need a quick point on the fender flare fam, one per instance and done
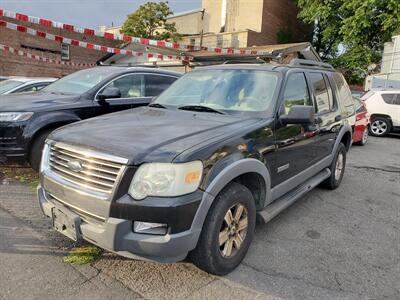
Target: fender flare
(48, 119)
(230, 172)
(346, 128)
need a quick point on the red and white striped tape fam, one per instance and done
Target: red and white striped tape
(73, 42)
(125, 38)
(41, 58)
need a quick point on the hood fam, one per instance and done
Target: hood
(149, 134)
(35, 101)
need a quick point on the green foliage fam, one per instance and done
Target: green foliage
(360, 27)
(83, 255)
(150, 21)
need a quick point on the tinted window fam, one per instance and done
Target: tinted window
(130, 86)
(396, 100)
(359, 106)
(320, 92)
(296, 92)
(389, 98)
(344, 94)
(156, 84)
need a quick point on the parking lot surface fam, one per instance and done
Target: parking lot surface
(342, 244)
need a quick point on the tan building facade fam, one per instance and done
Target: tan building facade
(240, 23)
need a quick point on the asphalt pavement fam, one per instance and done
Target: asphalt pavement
(342, 244)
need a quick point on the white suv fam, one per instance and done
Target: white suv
(384, 109)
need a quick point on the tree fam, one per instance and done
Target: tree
(351, 33)
(150, 21)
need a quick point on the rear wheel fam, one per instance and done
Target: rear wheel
(337, 169)
(380, 126)
(35, 153)
(364, 139)
(227, 231)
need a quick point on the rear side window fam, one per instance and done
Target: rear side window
(344, 94)
(389, 98)
(396, 100)
(296, 92)
(156, 84)
(321, 94)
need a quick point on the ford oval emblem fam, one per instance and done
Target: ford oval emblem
(75, 166)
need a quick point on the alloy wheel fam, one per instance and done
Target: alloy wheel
(339, 166)
(365, 136)
(379, 127)
(233, 230)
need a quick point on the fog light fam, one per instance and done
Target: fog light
(150, 228)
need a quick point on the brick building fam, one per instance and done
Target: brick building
(11, 64)
(240, 23)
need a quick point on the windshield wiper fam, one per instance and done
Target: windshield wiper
(200, 108)
(157, 105)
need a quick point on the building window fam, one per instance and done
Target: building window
(192, 41)
(220, 41)
(64, 51)
(235, 41)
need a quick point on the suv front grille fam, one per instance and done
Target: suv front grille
(83, 169)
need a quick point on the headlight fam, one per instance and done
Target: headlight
(44, 163)
(166, 180)
(15, 116)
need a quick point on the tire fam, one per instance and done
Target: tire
(337, 169)
(35, 152)
(364, 139)
(209, 255)
(380, 126)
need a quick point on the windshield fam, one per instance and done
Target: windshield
(226, 90)
(8, 85)
(77, 83)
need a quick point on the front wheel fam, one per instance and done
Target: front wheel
(227, 232)
(337, 169)
(364, 139)
(35, 153)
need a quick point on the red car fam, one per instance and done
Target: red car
(360, 134)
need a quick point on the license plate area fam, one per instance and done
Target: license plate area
(66, 223)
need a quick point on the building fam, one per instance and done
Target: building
(389, 76)
(13, 65)
(239, 24)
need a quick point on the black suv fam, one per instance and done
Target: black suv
(188, 174)
(27, 119)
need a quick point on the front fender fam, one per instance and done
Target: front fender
(230, 172)
(48, 119)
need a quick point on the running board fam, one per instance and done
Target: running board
(273, 209)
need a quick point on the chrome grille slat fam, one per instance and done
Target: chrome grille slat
(91, 160)
(89, 166)
(96, 174)
(88, 173)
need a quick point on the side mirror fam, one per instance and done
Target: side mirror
(299, 114)
(109, 93)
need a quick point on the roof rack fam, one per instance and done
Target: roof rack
(309, 63)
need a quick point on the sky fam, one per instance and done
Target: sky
(87, 13)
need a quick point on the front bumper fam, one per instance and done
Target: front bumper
(12, 143)
(116, 235)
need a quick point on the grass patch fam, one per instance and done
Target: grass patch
(83, 255)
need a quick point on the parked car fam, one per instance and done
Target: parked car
(361, 128)
(189, 173)
(27, 119)
(23, 84)
(384, 109)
